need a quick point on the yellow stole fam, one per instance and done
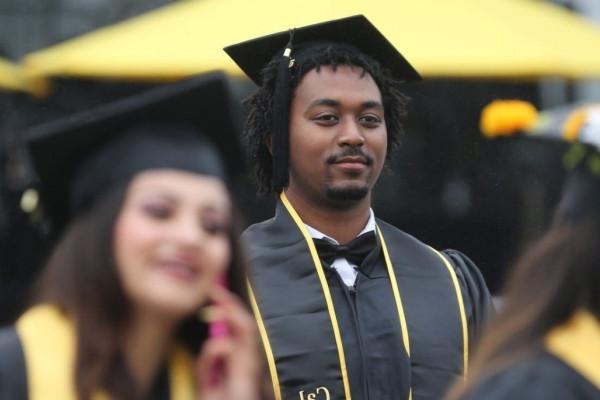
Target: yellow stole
(48, 340)
(577, 344)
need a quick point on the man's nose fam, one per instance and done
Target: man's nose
(351, 133)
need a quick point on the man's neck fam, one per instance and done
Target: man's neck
(341, 223)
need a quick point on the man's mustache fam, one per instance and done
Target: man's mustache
(350, 152)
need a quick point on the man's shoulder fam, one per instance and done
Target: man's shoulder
(257, 228)
(404, 249)
(262, 238)
(392, 232)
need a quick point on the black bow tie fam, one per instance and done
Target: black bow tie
(354, 251)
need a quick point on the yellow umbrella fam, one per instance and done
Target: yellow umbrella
(10, 77)
(442, 38)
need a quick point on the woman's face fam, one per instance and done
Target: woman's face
(171, 240)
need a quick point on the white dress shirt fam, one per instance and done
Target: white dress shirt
(346, 270)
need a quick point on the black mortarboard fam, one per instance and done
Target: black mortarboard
(190, 125)
(252, 55)
(355, 32)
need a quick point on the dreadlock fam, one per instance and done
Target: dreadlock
(258, 123)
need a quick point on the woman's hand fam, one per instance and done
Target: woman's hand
(229, 364)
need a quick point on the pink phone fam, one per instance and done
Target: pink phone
(218, 328)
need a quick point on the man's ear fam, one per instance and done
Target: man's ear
(269, 144)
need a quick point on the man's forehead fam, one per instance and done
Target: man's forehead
(338, 83)
(358, 70)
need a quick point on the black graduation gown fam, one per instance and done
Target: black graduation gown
(13, 377)
(297, 330)
(541, 377)
(13, 371)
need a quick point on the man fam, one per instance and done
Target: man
(383, 316)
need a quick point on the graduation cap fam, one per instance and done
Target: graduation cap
(190, 125)
(252, 55)
(578, 124)
(289, 48)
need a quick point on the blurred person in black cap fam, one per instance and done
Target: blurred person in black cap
(347, 305)
(545, 343)
(138, 191)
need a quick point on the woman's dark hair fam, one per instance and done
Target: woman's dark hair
(258, 123)
(559, 275)
(82, 279)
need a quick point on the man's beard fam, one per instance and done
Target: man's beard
(348, 194)
(351, 193)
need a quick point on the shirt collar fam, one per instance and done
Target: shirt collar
(316, 234)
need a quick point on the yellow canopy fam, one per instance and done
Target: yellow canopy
(10, 77)
(441, 38)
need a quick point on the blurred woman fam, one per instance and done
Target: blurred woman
(545, 344)
(148, 232)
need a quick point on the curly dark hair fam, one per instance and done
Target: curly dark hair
(306, 58)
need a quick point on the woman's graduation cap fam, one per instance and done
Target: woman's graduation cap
(577, 124)
(288, 49)
(190, 125)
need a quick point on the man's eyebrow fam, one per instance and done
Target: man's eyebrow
(336, 103)
(324, 102)
(372, 104)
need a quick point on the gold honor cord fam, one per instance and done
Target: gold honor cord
(266, 343)
(461, 307)
(397, 298)
(326, 293)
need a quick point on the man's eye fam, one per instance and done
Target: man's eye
(370, 120)
(326, 118)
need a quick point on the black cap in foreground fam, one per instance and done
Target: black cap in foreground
(190, 125)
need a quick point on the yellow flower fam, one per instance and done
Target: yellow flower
(507, 118)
